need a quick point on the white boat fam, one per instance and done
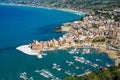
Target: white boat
(39, 55)
(55, 66)
(79, 59)
(43, 53)
(45, 73)
(86, 51)
(108, 65)
(24, 76)
(98, 60)
(69, 62)
(55, 78)
(74, 51)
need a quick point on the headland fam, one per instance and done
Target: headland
(99, 29)
(93, 31)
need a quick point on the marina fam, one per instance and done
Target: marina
(74, 51)
(58, 68)
(87, 62)
(47, 74)
(24, 76)
(86, 51)
(26, 24)
(72, 67)
(77, 67)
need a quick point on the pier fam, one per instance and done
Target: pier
(87, 62)
(47, 74)
(24, 76)
(86, 71)
(77, 67)
(58, 68)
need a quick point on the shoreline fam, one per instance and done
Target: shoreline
(111, 54)
(59, 9)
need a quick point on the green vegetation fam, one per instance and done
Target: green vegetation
(111, 73)
(58, 29)
(116, 18)
(95, 26)
(81, 19)
(118, 53)
(99, 39)
(71, 78)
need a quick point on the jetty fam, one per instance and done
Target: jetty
(86, 71)
(74, 51)
(70, 63)
(24, 76)
(87, 62)
(47, 74)
(58, 68)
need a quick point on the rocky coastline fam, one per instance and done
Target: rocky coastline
(93, 31)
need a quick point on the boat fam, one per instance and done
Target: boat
(83, 60)
(45, 73)
(74, 51)
(24, 76)
(98, 60)
(108, 65)
(55, 66)
(56, 78)
(69, 62)
(86, 51)
(79, 59)
(68, 73)
(39, 55)
(44, 54)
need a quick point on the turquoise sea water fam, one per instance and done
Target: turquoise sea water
(21, 25)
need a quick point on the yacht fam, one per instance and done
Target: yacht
(39, 55)
(56, 78)
(79, 59)
(86, 51)
(69, 62)
(98, 60)
(45, 73)
(24, 76)
(55, 66)
(108, 65)
(74, 51)
(44, 54)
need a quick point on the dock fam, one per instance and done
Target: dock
(47, 74)
(58, 68)
(87, 62)
(25, 77)
(77, 67)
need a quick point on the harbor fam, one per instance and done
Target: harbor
(47, 74)
(61, 66)
(87, 62)
(50, 55)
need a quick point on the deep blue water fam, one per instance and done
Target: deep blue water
(22, 25)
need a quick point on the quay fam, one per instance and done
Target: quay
(58, 68)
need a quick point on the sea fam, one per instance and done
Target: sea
(20, 25)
